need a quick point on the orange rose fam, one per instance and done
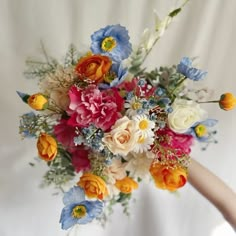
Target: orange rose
(38, 101)
(227, 101)
(126, 185)
(93, 185)
(167, 177)
(47, 147)
(93, 68)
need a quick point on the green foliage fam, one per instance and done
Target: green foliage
(60, 170)
(72, 56)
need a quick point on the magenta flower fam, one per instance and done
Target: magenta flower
(80, 160)
(181, 143)
(92, 106)
(65, 134)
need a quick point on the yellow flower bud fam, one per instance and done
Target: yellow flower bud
(227, 101)
(47, 147)
(126, 185)
(37, 101)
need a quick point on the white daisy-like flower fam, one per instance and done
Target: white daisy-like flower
(133, 106)
(144, 125)
(144, 142)
(138, 164)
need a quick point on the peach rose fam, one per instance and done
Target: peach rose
(47, 147)
(126, 185)
(167, 177)
(93, 185)
(93, 68)
(37, 101)
(122, 138)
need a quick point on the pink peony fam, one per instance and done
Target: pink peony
(92, 106)
(65, 134)
(80, 160)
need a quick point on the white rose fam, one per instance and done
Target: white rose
(122, 138)
(184, 115)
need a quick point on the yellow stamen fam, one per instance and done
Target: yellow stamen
(108, 44)
(79, 211)
(200, 130)
(143, 124)
(141, 139)
(136, 105)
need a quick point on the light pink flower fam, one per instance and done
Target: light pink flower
(92, 106)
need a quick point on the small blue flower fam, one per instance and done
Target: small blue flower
(116, 76)
(28, 122)
(77, 210)
(112, 41)
(201, 130)
(185, 68)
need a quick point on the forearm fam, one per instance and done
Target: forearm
(215, 190)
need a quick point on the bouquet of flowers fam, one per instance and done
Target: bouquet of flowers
(103, 123)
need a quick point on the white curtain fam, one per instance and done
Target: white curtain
(205, 28)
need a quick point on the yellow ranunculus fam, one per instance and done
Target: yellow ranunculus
(37, 101)
(227, 101)
(47, 147)
(93, 185)
(126, 185)
(167, 177)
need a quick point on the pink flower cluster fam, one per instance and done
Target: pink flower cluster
(92, 106)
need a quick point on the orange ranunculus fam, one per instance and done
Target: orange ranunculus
(167, 177)
(47, 147)
(93, 68)
(227, 101)
(126, 185)
(38, 101)
(93, 185)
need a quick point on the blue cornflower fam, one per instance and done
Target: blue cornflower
(77, 210)
(185, 68)
(112, 41)
(200, 130)
(116, 76)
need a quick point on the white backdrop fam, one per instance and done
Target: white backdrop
(206, 28)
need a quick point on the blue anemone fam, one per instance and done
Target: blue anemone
(77, 210)
(117, 76)
(185, 68)
(201, 131)
(112, 41)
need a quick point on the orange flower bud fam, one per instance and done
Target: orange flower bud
(93, 185)
(227, 101)
(126, 185)
(167, 177)
(93, 68)
(37, 101)
(47, 147)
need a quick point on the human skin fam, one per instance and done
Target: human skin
(215, 190)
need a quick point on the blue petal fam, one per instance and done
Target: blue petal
(186, 61)
(120, 34)
(209, 122)
(66, 218)
(74, 195)
(95, 208)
